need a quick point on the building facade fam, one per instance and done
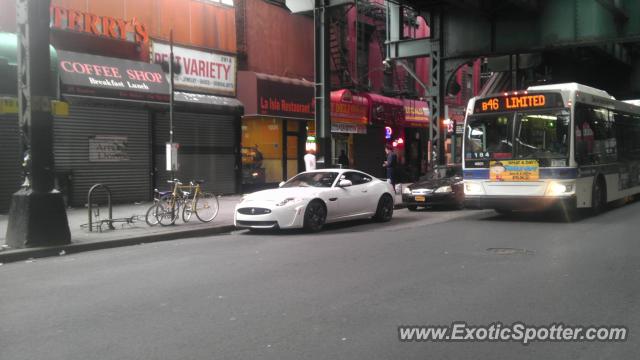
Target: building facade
(113, 61)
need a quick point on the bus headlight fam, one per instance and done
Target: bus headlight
(471, 188)
(556, 188)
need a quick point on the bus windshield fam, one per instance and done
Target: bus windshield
(540, 135)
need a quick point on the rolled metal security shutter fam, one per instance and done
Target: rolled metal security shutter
(108, 145)
(10, 170)
(206, 149)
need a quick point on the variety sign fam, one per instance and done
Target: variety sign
(83, 74)
(105, 26)
(199, 70)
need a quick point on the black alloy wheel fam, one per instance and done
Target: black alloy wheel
(315, 216)
(384, 212)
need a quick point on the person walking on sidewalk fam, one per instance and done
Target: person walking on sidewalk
(310, 160)
(391, 165)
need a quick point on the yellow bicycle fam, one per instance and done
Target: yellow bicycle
(190, 199)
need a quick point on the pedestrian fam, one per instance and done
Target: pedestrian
(343, 160)
(391, 164)
(310, 160)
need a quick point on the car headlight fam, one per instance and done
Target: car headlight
(471, 188)
(444, 189)
(287, 201)
(556, 188)
(406, 190)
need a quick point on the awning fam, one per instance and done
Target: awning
(416, 113)
(384, 110)
(348, 108)
(99, 76)
(270, 95)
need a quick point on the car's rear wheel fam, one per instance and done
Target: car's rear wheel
(384, 212)
(315, 216)
(412, 207)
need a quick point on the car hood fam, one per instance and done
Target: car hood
(283, 193)
(433, 183)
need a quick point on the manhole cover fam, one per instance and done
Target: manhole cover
(510, 251)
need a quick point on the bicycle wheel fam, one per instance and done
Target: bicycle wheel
(206, 207)
(187, 211)
(151, 218)
(167, 211)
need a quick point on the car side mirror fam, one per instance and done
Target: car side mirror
(345, 183)
(281, 183)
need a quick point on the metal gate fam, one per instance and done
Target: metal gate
(10, 170)
(207, 143)
(104, 144)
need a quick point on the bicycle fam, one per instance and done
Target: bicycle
(151, 217)
(168, 208)
(205, 205)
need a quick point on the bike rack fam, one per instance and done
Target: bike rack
(90, 205)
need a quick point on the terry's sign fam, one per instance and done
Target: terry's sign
(105, 26)
(199, 70)
(83, 74)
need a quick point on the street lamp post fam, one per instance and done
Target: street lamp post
(37, 216)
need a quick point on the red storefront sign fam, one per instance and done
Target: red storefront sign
(385, 110)
(416, 113)
(349, 108)
(104, 26)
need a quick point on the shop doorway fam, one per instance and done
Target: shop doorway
(414, 153)
(342, 150)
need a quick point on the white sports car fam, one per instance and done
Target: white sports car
(311, 199)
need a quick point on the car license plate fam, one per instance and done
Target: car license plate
(421, 198)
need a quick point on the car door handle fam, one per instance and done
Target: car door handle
(333, 199)
(364, 190)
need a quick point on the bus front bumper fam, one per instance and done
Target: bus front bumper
(531, 203)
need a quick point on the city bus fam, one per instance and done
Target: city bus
(562, 146)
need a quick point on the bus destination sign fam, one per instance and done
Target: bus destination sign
(517, 102)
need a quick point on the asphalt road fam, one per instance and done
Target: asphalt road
(340, 294)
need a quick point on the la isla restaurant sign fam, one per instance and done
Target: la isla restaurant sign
(105, 26)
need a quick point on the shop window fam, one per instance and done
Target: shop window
(261, 150)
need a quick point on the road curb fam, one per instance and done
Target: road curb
(9, 256)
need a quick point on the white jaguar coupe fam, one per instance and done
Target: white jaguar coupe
(311, 199)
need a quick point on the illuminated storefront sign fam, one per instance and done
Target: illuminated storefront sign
(348, 108)
(518, 102)
(278, 98)
(416, 113)
(91, 75)
(199, 70)
(104, 26)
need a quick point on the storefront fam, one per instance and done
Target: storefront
(105, 137)
(206, 121)
(386, 118)
(278, 112)
(349, 119)
(416, 125)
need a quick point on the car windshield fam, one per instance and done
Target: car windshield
(521, 135)
(315, 179)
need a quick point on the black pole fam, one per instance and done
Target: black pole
(323, 83)
(37, 216)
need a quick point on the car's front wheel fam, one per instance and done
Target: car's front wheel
(384, 212)
(315, 216)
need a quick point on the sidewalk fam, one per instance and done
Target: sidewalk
(124, 234)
